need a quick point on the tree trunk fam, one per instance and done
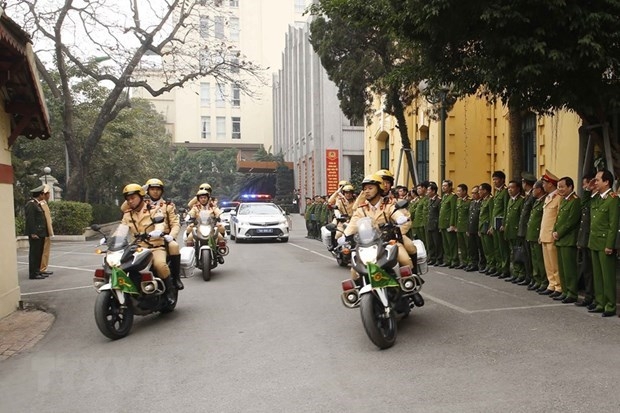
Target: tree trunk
(398, 111)
(515, 144)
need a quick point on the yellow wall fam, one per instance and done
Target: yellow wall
(476, 141)
(9, 286)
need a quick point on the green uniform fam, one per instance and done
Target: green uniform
(567, 227)
(603, 227)
(539, 275)
(420, 218)
(411, 208)
(484, 223)
(447, 219)
(511, 229)
(462, 220)
(500, 244)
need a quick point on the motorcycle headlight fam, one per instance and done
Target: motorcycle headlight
(205, 230)
(114, 258)
(368, 254)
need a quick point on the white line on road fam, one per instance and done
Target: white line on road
(67, 268)
(58, 290)
(329, 257)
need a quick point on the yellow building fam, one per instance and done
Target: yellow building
(476, 143)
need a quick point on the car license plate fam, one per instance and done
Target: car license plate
(264, 230)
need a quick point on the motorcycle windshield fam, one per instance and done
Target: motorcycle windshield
(367, 232)
(118, 240)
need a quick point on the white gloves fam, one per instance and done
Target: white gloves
(102, 241)
(401, 219)
(156, 234)
(342, 239)
(187, 218)
(168, 238)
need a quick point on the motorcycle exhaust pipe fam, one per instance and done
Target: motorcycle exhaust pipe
(149, 287)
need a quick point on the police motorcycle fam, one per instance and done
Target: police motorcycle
(208, 251)
(342, 253)
(128, 285)
(385, 291)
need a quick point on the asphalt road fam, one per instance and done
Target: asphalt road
(269, 334)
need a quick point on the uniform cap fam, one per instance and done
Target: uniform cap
(46, 188)
(528, 177)
(37, 190)
(549, 177)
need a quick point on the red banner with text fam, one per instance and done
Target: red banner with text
(332, 170)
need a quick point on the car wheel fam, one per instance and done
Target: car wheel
(285, 239)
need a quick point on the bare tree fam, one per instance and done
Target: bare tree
(154, 45)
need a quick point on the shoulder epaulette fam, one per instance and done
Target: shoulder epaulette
(613, 194)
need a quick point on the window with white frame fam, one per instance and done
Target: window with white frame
(233, 27)
(205, 95)
(234, 61)
(220, 127)
(220, 96)
(234, 3)
(300, 6)
(204, 27)
(218, 27)
(205, 127)
(236, 95)
(236, 127)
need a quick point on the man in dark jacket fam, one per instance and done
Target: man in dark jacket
(584, 258)
(432, 228)
(527, 180)
(36, 228)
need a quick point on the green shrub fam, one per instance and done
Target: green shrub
(103, 214)
(20, 226)
(70, 218)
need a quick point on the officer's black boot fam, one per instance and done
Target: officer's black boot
(175, 271)
(170, 290)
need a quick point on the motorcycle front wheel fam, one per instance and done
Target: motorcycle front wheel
(343, 262)
(206, 265)
(380, 328)
(113, 320)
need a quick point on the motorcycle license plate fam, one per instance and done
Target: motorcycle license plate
(264, 230)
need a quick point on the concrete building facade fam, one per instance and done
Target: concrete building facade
(309, 127)
(208, 114)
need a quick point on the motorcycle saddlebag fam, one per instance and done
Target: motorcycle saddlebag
(188, 257)
(326, 237)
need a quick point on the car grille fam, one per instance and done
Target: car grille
(257, 232)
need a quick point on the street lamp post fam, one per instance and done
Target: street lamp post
(47, 170)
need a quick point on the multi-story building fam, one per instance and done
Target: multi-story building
(309, 127)
(214, 115)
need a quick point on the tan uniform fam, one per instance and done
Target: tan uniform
(48, 240)
(140, 221)
(550, 255)
(195, 212)
(171, 221)
(380, 213)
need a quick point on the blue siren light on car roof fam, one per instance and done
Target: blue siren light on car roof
(255, 197)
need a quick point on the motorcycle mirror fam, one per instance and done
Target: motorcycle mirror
(158, 219)
(402, 203)
(330, 227)
(95, 227)
(181, 210)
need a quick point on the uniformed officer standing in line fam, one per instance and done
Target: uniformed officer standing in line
(565, 235)
(527, 181)
(307, 214)
(550, 214)
(420, 217)
(500, 202)
(462, 222)
(36, 229)
(532, 236)
(414, 198)
(584, 256)
(510, 229)
(447, 225)
(603, 228)
(484, 229)
(476, 256)
(50, 231)
(433, 235)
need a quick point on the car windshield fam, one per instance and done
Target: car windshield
(259, 209)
